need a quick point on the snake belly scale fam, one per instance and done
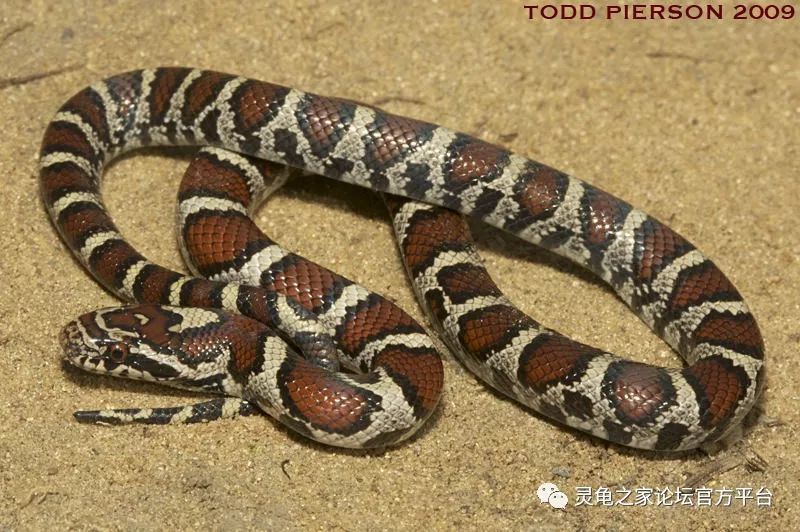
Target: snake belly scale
(394, 376)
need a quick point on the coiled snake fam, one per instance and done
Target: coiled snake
(217, 335)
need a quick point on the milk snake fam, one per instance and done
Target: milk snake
(394, 376)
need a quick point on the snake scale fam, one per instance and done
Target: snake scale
(368, 374)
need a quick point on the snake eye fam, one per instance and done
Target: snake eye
(117, 352)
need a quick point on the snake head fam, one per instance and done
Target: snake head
(133, 342)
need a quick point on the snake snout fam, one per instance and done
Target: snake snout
(65, 337)
(72, 342)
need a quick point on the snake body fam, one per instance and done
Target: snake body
(665, 280)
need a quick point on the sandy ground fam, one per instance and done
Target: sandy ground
(695, 122)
